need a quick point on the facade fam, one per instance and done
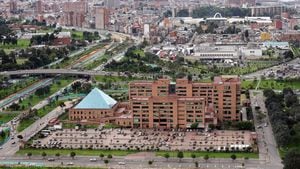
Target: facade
(38, 7)
(101, 18)
(251, 53)
(74, 13)
(267, 10)
(162, 104)
(290, 36)
(13, 6)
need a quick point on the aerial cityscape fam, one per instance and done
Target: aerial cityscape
(142, 84)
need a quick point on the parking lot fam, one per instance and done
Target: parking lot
(147, 139)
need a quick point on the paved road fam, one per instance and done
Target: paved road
(142, 162)
(266, 142)
(12, 146)
(56, 71)
(29, 90)
(10, 149)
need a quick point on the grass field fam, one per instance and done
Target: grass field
(272, 84)
(21, 44)
(97, 62)
(103, 78)
(24, 124)
(21, 61)
(4, 92)
(210, 154)
(40, 113)
(34, 99)
(6, 117)
(126, 152)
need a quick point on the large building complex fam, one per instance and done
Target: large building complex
(165, 104)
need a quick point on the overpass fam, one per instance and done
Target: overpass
(57, 71)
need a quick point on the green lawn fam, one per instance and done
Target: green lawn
(77, 151)
(6, 117)
(34, 99)
(21, 44)
(97, 62)
(24, 124)
(210, 154)
(103, 78)
(273, 84)
(21, 61)
(4, 92)
(251, 67)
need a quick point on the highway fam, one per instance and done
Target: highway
(22, 94)
(142, 162)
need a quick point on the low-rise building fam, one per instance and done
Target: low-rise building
(98, 107)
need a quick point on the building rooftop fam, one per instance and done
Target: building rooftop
(96, 99)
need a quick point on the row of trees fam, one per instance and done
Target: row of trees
(284, 114)
(134, 62)
(79, 87)
(46, 39)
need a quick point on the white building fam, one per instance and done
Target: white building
(112, 3)
(251, 53)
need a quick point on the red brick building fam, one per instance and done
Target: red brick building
(162, 104)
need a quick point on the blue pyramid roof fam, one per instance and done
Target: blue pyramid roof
(96, 99)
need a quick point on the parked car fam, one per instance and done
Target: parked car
(51, 159)
(93, 160)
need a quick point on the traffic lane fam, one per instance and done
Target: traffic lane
(140, 163)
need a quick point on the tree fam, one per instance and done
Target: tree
(288, 54)
(194, 125)
(233, 157)
(44, 154)
(61, 104)
(180, 155)
(150, 162)
(193, 156)
(291, 159)
(196, 164)
(20, 137)
(206, 157)
(246, 34)
(73, 154)
(244, 125)
(57, 155)
(167, 156)
(29, 154)
(109, 156)
(106, 162)
(101, 156)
